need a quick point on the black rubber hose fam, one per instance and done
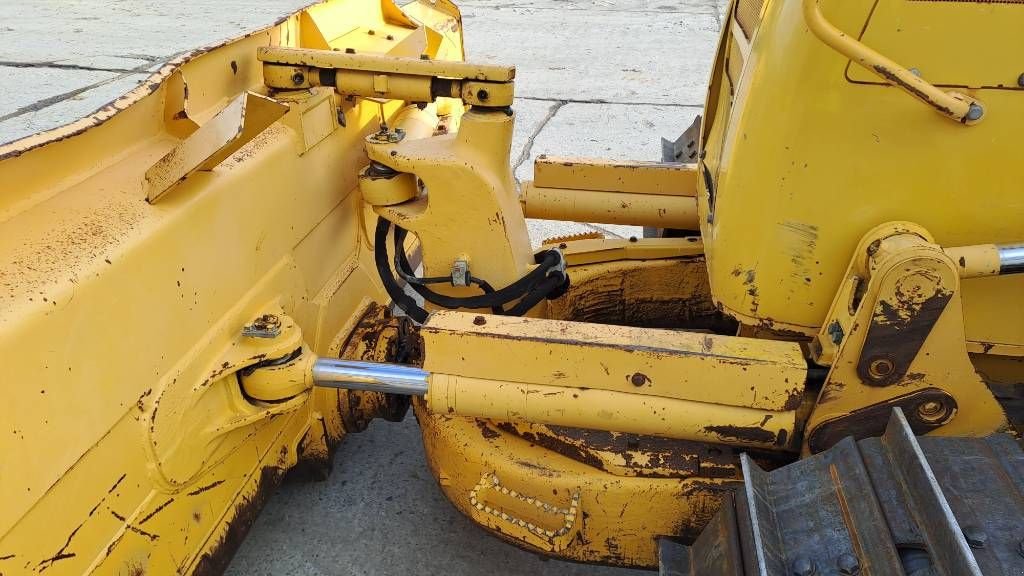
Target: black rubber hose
(380, 256)
(539, 292)
(535, 286)
(487, 288)
(513, 291)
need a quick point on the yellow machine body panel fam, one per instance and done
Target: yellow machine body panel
(806, 151)
(128, 444)
(195, 281)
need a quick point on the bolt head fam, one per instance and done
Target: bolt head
(848, 564)
(266, 326)
(881, 367)
(298, 78)
(804, 567)
(639, 379)
(975, 112)
(932, 411)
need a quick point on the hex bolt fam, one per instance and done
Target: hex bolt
(298, 78)
(804, 566)
(483, 95)
(932, 411)
(266, 326)
(880, 368)
(975, 536)
(848, 564)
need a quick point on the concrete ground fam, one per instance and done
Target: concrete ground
(601, 78)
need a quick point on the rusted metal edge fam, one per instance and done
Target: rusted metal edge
(148, 87)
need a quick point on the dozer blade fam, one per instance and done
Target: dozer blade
(881, 506)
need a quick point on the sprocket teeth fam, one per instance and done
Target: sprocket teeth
(571, 237)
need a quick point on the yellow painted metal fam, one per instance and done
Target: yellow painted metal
(128, 445)
(954, 105)
(601, 366)
(594, 250)
(528, 518)
(328, 59)
(237, 124)
(598, 174)
(417, 122)
(621, 411)
(630, 486)
(975, 261)
(900, 280)
(622, 512)
(470, 210)
(387, 190)
(657, 194)
(370, 75)
(578, 434)
(924, 25)
(379, 189)
(574, 205)
(279, 381)
(795, 187)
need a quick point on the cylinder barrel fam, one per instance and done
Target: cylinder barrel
(657, 210)
(609, 410)
(576, 407)
(987, 259)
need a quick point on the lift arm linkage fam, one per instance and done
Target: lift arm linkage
(397, 78)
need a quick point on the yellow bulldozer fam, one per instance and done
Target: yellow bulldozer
(810, 364)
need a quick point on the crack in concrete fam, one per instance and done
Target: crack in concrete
(38, 105)
(528, 146)
(58, 66)
(613, 102)
(47, 102)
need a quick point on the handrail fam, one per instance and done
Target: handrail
(956, 106)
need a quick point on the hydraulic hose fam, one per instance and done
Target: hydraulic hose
(547, 280)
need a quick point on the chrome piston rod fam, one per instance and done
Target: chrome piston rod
(1011, 258)
(353, 375)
